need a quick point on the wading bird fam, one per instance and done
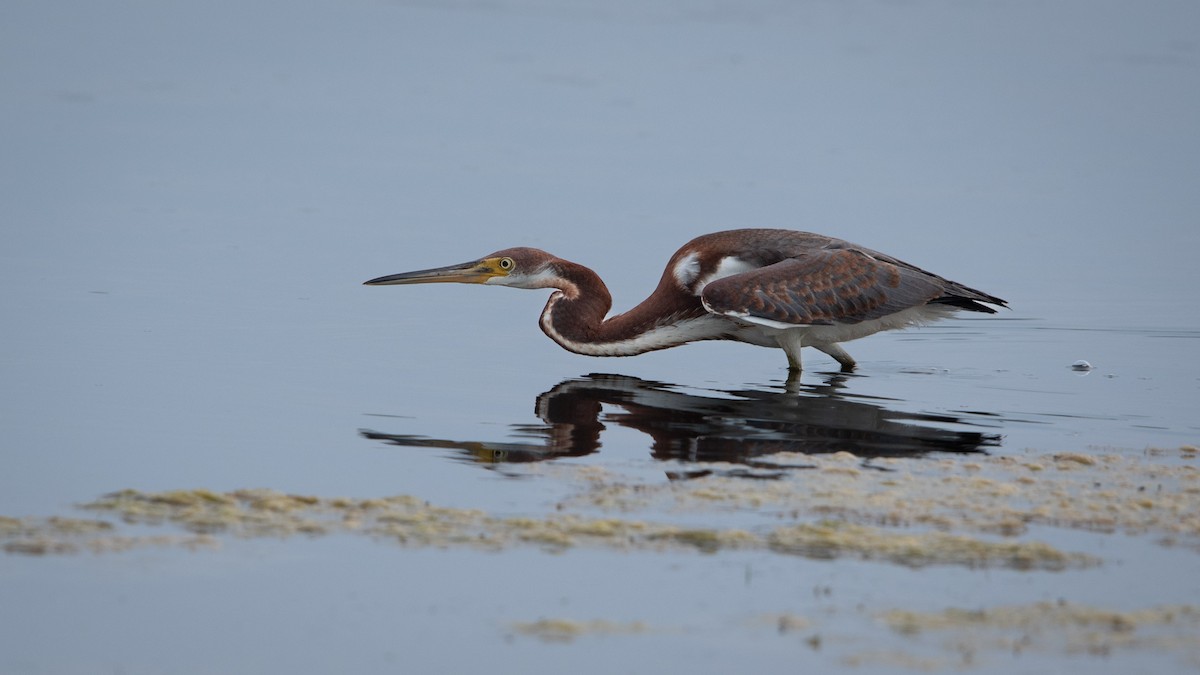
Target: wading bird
(772, 288)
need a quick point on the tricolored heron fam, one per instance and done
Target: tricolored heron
(773, 288)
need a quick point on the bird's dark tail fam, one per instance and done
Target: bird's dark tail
(962, 297)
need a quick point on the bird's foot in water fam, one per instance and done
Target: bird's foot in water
(841, 355)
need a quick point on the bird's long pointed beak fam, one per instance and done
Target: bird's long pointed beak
(474, 272)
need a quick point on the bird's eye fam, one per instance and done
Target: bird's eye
(507, 264)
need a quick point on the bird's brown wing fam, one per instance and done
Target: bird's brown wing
(823, 286)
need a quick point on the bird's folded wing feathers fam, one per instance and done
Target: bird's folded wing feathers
(821, 287)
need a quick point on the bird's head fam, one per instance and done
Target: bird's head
(516, 267)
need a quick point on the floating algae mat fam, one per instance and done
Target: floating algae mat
(977, 634)
(979, 512)
(961, 637)
(41, 536)
(566, 630)
(408, 521)
(909, 512)
(1156, 494)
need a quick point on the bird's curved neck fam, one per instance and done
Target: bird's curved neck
(574, 316)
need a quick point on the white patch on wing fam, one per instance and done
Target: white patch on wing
(844, 332)
(727, 267)
(747, 318)
(686, 270)
(769, 323)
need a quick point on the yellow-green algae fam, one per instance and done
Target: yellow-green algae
(57, 535)
(567, 630)
(1002, 495)
(409, 521)
(1053, 626)
(834, 539)
(1040, 616)
(958, 511)
(403, 518)
(966, 637)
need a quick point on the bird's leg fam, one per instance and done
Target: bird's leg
(792, 384)
(794, 362)
(791, 342)
(835, 350)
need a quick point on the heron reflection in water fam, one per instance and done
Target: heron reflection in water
(740, 427)
(772, 288)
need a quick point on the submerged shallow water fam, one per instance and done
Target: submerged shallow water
(189, 211)
(886, 408)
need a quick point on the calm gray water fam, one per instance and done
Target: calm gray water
(191, 195)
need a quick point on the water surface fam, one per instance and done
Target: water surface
(191, 196)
